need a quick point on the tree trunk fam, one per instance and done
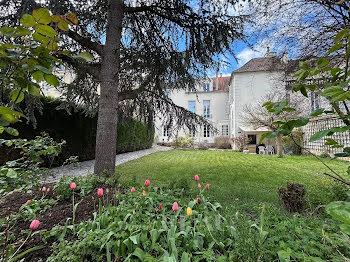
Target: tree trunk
(279, 145)
(106, 136)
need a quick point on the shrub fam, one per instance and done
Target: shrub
(289, 144)
(241, 142)
(222, 142)
(79, 131)
(203, 145)
(293, 197)
(183, 142)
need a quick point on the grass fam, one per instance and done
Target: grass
(233, 176)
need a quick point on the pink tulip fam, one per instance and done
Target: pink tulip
(58, 197)
(73, 186)
(132, 190)
(48, 190)
(199, 186)
(198, 200)
(28, 202)
(175, 206)
(147, 182)
(196, 178)
(100, 192)
(43, 189)
(207, 186)
(34, 225)
(160, 206)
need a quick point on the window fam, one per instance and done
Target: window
(206, 132)
(192, 106)
(166, 131)
(206, 106)
(315, 101)
(224, 130)
(193, 132)
(206, 88)
(252, 139)
(191, 89)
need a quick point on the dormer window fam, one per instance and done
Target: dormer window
(206, 88)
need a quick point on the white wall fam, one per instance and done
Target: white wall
(219, 111)
(246, 88)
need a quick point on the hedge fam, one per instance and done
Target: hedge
(79, 131)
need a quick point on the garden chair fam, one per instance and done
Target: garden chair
(261, 150)
(270, 150)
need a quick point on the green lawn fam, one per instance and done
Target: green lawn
(232, 175)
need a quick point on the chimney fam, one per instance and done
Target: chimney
(217, 79)
(284, 57)
(268, 53)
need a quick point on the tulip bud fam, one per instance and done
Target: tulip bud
(198, 200)
(175, 207)
(143, 192)
(132, 190)
(34, 225)
(199, 186)
(156, 210)
(196, 178)
(58, 197)
(73, 186)
(48, 190)
(43, 189)
(160, 206)
(189, 211)
(99, 192)
(207, 186)
(147, 182)
(28, 202)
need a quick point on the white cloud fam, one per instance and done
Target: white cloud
(247, 53)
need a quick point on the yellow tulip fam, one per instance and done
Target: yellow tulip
(189, 211)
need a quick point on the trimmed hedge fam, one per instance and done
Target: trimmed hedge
(79, 131)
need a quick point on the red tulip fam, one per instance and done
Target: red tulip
(207, 186)
(100, 192)
(34, 225)
(160, 206)
(73, 186)
(43, 189)
(156, 210)
(28, 202)
(196, 178)
(175, 206)
(199, 186)
(198, 200)
(147, 182)
(132, 190)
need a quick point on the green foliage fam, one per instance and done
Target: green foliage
(26, 171)
(289, 144)
(85, 185)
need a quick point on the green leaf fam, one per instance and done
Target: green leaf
(345, 228)
(51, 80)
(139, 253)
(27, 20)
(343, 33)
(318, 135)
(38, 76)
(330, 142)
(185, 257)
(42, 16)
(85, 56)
(322, 62)
(40, 38)
(21, 31)
(17, 96)
(34, 90)
(43, 69)
(11, 173)
(7, 31)
(11, 131)
(335, 48)
(339, 210)
(317, 112)
(45, 30)
(63, 25)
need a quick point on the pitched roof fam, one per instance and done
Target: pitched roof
(223, 83)
(261, 64)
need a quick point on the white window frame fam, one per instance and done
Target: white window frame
(206, 108)
(206, 132)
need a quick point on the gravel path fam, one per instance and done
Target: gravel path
(87, 167)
